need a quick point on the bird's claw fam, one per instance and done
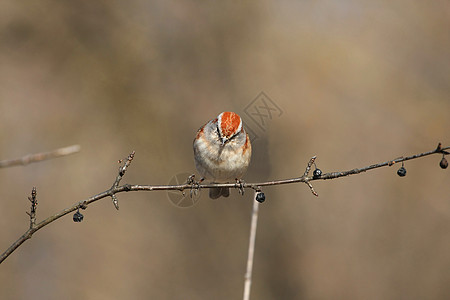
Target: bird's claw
(195, 185)
(240, 186)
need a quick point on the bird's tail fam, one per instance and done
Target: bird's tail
(215, 193)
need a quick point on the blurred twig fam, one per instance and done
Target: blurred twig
(251, 249)
(30, 158)
(116, 188)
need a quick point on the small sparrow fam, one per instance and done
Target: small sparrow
(222, 151)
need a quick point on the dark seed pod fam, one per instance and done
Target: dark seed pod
(78, 217)
(401, 172)
(260, 197)
(317, 173)
(444, 163)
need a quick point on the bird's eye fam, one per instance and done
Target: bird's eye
(218, 131)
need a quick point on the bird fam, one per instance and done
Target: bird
(222, 151)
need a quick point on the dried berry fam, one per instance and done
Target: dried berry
(317, 173)
(260, 197)
(401, 172)
(78, 217)
(444, 163)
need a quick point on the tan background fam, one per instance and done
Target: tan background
(358, 83)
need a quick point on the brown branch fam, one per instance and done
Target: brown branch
(115, 188)
(30, 158)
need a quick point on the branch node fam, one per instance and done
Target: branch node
(316, 175)
(83, 205)
(439, 147)
(256, 188)
(115, 201)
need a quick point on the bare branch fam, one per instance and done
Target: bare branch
(438, 150)
(30, 158)
(116, 188)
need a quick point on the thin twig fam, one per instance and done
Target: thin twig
(122, 170)
(115, 188)
(251, 249)
(308, 167)
(27, 235)
(33, 207)
(30, 158)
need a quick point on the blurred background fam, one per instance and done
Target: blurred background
(352, 82)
